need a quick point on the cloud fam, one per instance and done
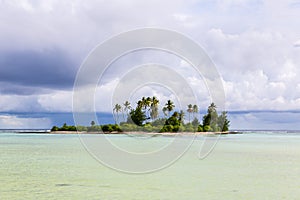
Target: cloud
(43, 44)
(297, 44)
(258, 68)
(247, 51)
(295, 4)
(15, 122)
(57, 101)
(265, 120)
(43, 69)
(52, 101)
(255, 91)
(19, 103)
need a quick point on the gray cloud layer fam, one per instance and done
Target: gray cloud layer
(43, 69)
(255, 45)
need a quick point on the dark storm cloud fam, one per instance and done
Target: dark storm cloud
(12, 88)
(29, 70)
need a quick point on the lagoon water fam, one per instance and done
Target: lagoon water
(245, 166)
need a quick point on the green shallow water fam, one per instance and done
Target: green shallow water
(247, 166)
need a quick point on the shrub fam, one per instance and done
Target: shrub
(82, 128)
(195, 122)
(181, 129)
(167, 128)
(71, 128)
(128, 127)
(207, 128)
(159, 122)
(107, 128)
(116, 127)
(55, 128)
(94, 128)
(173, 121)
(148, 128)
(189, 128)
(176, 128)
(200, 128)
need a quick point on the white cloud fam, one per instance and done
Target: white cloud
(265, 120)
(258, 68)
(54, 101)
(297, 44)
(57, 101)
(251, 42)
(15, 122)
(19, 103)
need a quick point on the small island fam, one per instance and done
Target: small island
(144, 118)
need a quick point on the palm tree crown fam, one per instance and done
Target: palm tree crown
(190, 110)
(117, 109)
(169, 106)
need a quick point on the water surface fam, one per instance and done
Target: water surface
(264, 165)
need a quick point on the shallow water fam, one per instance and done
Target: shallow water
(246, 166)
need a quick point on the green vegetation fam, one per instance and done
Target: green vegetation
(107, 128)
(145, 117)
(65, 127)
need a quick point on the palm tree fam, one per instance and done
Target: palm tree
(144, 100)
(223, 122)
(181, 116)
(211, 117)
(154, 108)
(170, 106)
(165, 111)
(140, 104)
(190, 110)
(195, 110)
(212, 108)
(148, 102)
(127, 107)
(117, 109)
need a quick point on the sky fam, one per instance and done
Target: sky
(255, 45)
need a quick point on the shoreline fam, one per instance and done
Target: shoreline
(146, 133)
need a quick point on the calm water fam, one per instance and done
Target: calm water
(247, 166)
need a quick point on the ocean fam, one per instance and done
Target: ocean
(252, 165)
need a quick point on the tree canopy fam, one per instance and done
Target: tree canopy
(145, 116)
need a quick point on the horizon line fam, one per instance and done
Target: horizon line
(106, 112)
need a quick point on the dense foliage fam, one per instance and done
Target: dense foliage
(145, 117)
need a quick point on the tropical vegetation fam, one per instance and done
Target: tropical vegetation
(146, 117)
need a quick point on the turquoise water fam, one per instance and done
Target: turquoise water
(246, 166)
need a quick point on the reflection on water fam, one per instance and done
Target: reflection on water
(247, 166)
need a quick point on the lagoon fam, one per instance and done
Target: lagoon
(253, 165)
